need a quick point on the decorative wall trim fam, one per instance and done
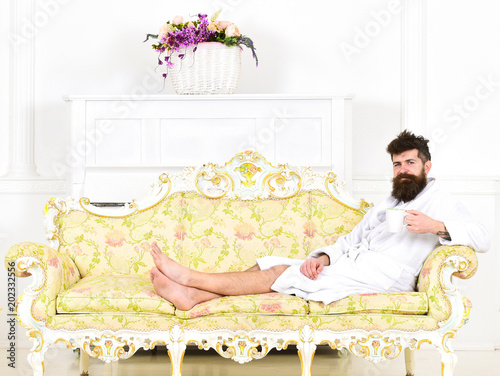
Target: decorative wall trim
(55, 187)
(22, 161)
(413, 66)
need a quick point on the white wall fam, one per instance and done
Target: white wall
(463, 92)
(95, 47)
(4, 85)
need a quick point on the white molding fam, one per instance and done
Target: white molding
(34, 186)
(413, 66)
(175, 97)
(22, 156)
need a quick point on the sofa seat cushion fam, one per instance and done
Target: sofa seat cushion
(269, 304)
(113, 293)
(403, 303)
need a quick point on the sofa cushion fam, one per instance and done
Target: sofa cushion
(269, 304)
(113, 293)
(407, 303)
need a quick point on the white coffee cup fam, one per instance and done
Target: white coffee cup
(395, 219)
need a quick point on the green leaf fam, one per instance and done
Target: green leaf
(215, 15)
(278, 231)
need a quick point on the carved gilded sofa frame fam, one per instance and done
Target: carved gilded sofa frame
(248, 176)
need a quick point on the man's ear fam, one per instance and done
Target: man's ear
(427, 167)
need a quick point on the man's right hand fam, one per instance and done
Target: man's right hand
(313, 267)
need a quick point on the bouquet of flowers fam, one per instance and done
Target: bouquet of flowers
(177, 36)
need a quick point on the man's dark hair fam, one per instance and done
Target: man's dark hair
(408, 141)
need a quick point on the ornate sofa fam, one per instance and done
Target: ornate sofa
(91, 288)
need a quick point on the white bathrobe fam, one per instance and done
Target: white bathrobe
(371, 260)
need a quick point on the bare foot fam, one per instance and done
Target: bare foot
(168, 267)
(182, 297)
(152, 276)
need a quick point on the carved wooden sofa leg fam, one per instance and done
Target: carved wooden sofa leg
(84, 363)
(410, 362)
(306, 352)
(36, 357)
(306, 349)
(448, 361)
(36, 361)
(176, 352)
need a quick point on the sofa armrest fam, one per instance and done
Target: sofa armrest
(52, 271)
(435, 279)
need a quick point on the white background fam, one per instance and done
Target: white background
(314, 47)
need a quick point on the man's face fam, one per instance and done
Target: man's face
(410, 175)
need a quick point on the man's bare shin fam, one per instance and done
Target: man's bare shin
(237, 283)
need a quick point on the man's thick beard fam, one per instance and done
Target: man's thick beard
(407, 190)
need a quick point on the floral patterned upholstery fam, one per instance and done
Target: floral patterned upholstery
(407, 303)
(113, 293)
(60, 272)
(242, 321)
(269, 304)
(102, 246)
(430, 277)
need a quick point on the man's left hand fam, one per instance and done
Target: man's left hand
(420, 223)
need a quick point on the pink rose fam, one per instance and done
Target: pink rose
(232, 31)
(54, 262)
(244, 231)
(202, 312)
(272, 307)
(223, 24)
(310, 229)
(115, 238)
(180, 232)
(177, 20)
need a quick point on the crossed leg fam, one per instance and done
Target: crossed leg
(186, 287)
(182, 297)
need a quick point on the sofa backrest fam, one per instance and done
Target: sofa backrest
(205, 234)
(120, 245)
(209, 231)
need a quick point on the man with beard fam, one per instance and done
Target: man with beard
(367, 260)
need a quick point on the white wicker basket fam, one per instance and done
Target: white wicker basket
(213, 68)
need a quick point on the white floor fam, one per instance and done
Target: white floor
(62, 362)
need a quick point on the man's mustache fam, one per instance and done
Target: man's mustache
(405, 176)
